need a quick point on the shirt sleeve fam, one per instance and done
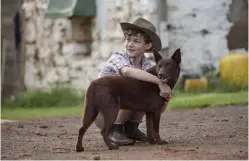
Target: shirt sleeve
(107, 71)
(114, 64)
(118, 61)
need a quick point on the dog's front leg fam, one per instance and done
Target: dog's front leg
(156, 122)
(150, 128)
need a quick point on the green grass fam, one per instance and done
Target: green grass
(208, 99)
(180, 100)
(57, 97)
(20, 113)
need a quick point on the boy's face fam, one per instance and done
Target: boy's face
(136, 46)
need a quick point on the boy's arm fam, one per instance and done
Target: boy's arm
(145, 76)
(140, 74)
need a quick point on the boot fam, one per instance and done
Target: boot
(119, 137)
(132, 131)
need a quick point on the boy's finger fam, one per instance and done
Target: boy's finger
(162, 94)
(165, 95)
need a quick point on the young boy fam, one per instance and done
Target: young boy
(140, 37)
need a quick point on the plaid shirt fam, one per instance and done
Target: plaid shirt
(118, 60)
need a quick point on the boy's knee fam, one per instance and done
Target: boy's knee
(123, 116)
(137, 117)
(99, 121)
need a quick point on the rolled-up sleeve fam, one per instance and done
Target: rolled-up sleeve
(118, 61)
(114, 65)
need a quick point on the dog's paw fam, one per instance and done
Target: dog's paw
(152, 141)
(79, 149)
(162, 142)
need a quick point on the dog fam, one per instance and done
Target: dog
(107, 94)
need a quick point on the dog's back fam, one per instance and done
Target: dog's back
(131, 93)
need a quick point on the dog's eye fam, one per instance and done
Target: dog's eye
(159, 65)
(169, 65)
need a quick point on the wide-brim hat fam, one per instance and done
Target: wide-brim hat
(147, 27)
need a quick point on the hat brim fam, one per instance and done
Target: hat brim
(155, 39)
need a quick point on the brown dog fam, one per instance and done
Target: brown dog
(108, 94)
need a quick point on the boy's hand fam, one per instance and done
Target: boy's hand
(165, 90)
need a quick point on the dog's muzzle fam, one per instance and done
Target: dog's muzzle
(164, 80)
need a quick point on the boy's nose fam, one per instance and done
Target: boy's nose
(130, 44)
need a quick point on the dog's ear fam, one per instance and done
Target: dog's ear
(177, 56)
(157, 56)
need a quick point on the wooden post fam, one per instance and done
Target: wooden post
(3, 60)
(22, 53)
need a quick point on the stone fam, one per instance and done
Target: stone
(42, 4)
(62, 73)
(69, 49)
(28, 8)
(64, 44)
(59, 60)
(51, 76)
(30, 75)
(80, 83)
(48, 23)
(30, 31)
(60, 30)
(30, 50)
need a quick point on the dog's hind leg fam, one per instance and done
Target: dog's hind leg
(156, 122)
(89, 116)
(110, 115)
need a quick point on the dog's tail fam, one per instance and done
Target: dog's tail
(88, 95)
(90, 112)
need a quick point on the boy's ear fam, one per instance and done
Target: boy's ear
(148, 46)
(177, 56)
(157, 56)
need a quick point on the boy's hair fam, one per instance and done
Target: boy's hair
(137, 32)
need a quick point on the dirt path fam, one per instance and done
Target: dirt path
(209, 133)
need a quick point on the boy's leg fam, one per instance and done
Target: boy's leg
(99, 121)
(118, 135)
(131, 127)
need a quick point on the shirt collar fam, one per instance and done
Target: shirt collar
(124, 52)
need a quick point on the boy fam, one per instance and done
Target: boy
(140, 37)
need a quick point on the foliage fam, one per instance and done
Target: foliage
(56, 97)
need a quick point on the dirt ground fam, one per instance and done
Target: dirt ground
(207, 133)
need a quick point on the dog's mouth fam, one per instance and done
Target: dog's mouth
(164, 80)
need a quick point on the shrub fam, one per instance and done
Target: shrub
(57, 97)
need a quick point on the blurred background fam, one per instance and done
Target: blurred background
(52, 44)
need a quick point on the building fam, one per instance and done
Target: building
(63, 46)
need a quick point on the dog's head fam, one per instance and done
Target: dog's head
(168, 70)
